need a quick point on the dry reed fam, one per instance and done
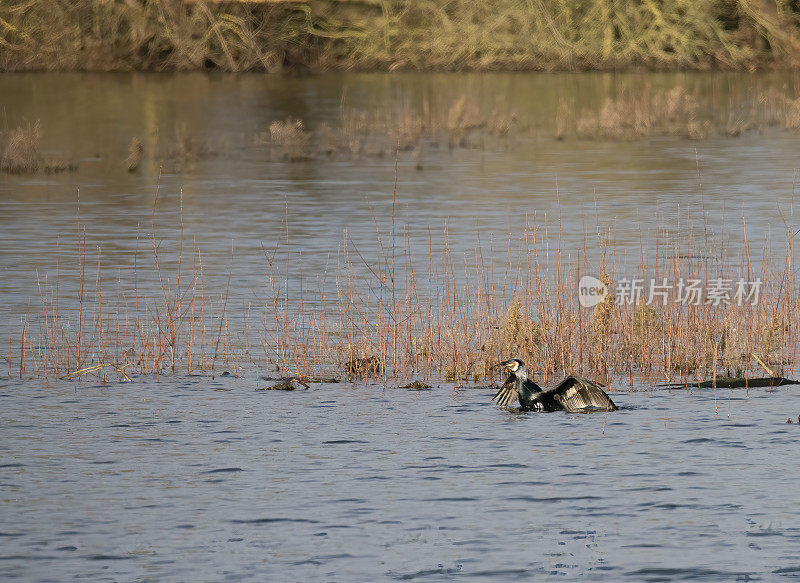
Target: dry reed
(388, 319)
(135, 153)
(462, 122)
(20, 153)
(289, 139)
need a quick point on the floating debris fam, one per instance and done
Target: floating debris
(303, 379)
(101, 366)
(418, 385)
(734, 383)
(285, 384)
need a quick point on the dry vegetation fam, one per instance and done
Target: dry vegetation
(20, 152)
(288, 138)
(463, 123)
(390, 320)
(417, 34)
(381, 133)
(135, 153)
(676, 112)
(456, 122)
(178, 326)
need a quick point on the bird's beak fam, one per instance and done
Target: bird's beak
(499, 364)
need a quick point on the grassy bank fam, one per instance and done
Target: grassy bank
(171, 35)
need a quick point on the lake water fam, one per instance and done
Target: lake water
(237, 200)
(197, 478)
(194, 479)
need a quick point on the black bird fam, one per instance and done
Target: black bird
(573, 394)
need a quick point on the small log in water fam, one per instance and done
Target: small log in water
(734, 383)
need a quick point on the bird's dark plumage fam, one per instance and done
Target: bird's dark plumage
(573, 394)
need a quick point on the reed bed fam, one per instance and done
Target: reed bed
(111, 324)
(461, 122)
(453, 122)
(423, 314)
(20, 152)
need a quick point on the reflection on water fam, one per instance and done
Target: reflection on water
(172, 480)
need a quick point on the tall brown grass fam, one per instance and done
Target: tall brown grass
(174, 326)
(415, 313)
(20, 152)
(461, 121)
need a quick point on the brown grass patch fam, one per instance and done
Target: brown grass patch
(21, 153)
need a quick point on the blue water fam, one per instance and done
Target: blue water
(209, 480)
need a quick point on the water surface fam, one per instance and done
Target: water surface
(200, 479)
(235, 201)
(193, 478)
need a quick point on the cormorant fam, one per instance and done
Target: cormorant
(573, 394)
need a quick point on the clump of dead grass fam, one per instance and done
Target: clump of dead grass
(21, 153)
(791, 119)
(289, 139)
(380, 133)
(635, 116)
(519, 334)
(135, 153)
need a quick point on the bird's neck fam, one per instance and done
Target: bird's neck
(526, 388)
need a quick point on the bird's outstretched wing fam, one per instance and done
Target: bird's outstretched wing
(578, 394)
(508, 392)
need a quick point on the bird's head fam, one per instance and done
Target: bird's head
(516, 367)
